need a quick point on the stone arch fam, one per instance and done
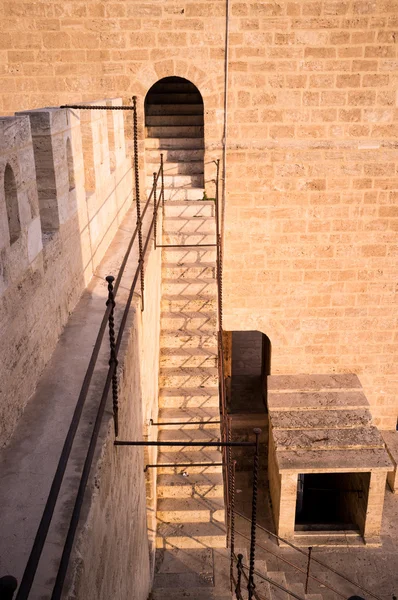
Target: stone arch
(12, 207)
(70, 165)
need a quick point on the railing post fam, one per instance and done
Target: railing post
(162, 179)
(251, 584)
(113, 360)
(137, 199)
(232, 520)
(308, 568)
(155, 211)
(8, 585)
(239, 569)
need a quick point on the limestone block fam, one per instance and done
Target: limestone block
(391, 440)
(35, 243)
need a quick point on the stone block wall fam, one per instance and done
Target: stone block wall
(311, 178)
(54, 230)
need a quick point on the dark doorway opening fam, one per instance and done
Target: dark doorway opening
(250, 366)
(332, 501)
(174, 122)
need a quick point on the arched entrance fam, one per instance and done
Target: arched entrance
(174, 126)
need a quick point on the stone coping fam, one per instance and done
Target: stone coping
(334, 461)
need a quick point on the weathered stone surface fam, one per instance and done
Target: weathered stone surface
(334, 461)
(320, 419)
(316, 400)
(312, 382)
(323, 439)
(391, 440)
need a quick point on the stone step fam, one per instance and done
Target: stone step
(262, 586)
(178, 181)
(188, 357)
(206, 238)
(184, 415)
(190, 510)
(174, 143)
(201, 288)
(175, 131)
(319, 419)
(183, 194)
(297, 588)
(175, 456)
(206, 427)
(189, 255)
(304, 539)
(188, 376)
(174, 109)
(195, 485)
(324, 400)
(172, 397)
(189, 271)
(276, 593)
(190, 593)
(191, 167)
(333, 461)
(314, 383)
(189, 225)
(322, 439)
(190, 97)
(192, 340)
(313, 597)
(188, 321)
(189, 210)
(191, 535)
(178, 304)
(178, 119)
(174, 155)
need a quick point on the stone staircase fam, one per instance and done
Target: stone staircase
(191, 555)
(174, 126)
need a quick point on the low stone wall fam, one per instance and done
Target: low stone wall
(63, 193)
(114, 557)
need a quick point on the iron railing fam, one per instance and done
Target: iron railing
(6, 583)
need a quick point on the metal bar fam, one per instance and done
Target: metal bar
(232, 521)
(182, 444)
(99, 107)
(239, 577)
(44, 525)
(317, 560)
(137, 199)
(63, 566)
(8, 585)
(113, 360)
(187, 245)
(151, 422)
(251, 584)
(285, 560)
(308, 569)
(155, 212)
(213, 464)
(162, 179)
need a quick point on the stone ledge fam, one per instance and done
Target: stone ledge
(281, 383)
(334, 461)
(321, 439)
(316, 400)
(320, 419)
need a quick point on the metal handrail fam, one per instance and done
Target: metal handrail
(44, 525)
(317, 560)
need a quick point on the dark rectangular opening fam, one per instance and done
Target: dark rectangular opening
(332, 501)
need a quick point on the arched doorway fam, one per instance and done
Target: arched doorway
(174, 126)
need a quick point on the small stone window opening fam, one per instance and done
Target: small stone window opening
(71, 170)
(10, 189)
